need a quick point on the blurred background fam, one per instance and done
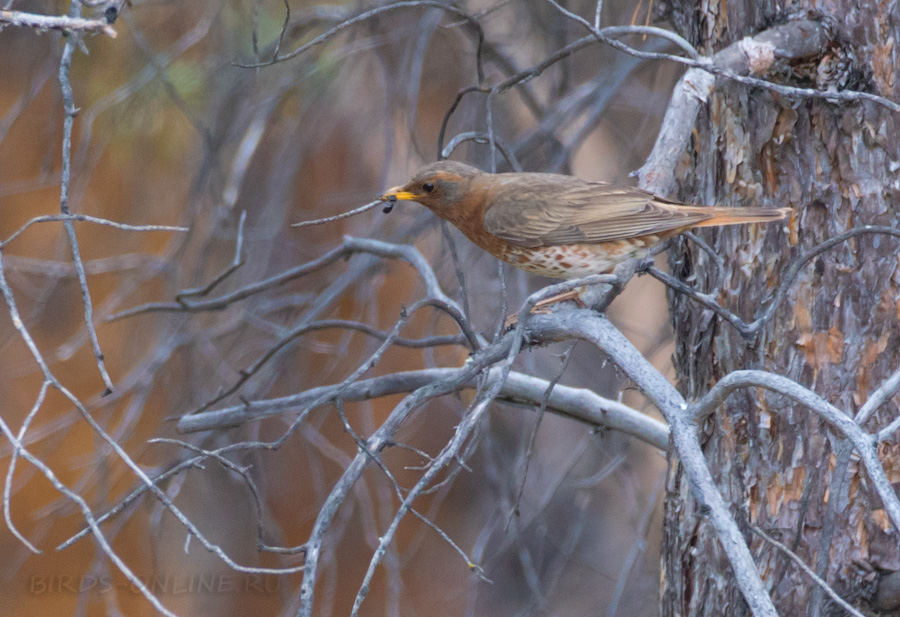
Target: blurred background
(172, 132)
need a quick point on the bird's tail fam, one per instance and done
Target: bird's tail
(736, 216)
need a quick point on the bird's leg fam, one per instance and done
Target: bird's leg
(572, 294)
(543, 307)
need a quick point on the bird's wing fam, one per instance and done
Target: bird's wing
(550, 210)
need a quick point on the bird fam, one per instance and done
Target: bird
(556, 225)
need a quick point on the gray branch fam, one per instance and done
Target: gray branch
(864, 443)
(54, 22)
(598, 330)
(796, 39)
(576, 403)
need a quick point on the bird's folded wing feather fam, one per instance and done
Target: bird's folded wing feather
(555, 210)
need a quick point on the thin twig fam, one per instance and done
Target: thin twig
(48, 473)
(65, 66)
(366, 15)
(864, 443)
(640, 544)
(790, 277)
(529, 451)
(379, 439)
(881, 396)
(236, 264)
(481, 138)
(54, 22)
(350, 246)
(7, 487)
(709, 66)
(47, 218)
(824, 586)
(337, 217)
(271, 352)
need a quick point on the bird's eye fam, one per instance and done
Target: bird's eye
(428, 187)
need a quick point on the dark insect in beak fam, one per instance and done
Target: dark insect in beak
(389, 205)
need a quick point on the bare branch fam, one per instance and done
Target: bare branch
(115, 447)
(824, 586)
(387, 338)
(793, 40)
(577, 403)
(88, 219)
(350, 246)
(881, 396)
(68, 121)
(236, 264)
(7, 515)
(480, 138)
(379, 11)
(768, 313)
(337, 217)
(48, 473)
(601, 333)
(800, 38)
(449, 453)
(53, 22)
(639, 546)
(864, 443)
(382, 437)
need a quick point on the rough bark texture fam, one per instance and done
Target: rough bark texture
(837, 333)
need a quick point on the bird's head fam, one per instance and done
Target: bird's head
(439, 187)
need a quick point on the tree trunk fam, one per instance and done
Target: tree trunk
(779, 465)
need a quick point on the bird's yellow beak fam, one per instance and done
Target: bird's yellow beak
(397, 194)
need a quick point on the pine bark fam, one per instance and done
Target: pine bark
(781, 468)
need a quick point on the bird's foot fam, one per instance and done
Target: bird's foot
(543, 307)
(644, 265)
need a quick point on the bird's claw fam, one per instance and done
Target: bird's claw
(543, 307)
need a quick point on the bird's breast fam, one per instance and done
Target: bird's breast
(575, 260)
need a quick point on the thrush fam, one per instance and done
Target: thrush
(556, 225)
